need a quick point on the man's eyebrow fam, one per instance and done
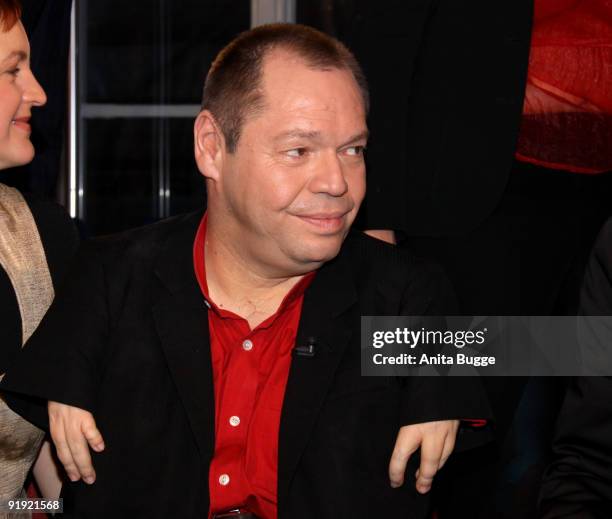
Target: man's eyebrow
(298, 134)
(314, 135)
(356, 138)
(16, 54)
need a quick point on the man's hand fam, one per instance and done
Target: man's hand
(73, 431)
(436, 439)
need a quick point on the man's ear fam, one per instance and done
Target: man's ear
(209, 145)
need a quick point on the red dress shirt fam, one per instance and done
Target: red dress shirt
(250, 371)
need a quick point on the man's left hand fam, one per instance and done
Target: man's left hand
(436, 439)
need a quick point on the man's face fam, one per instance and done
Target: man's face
(19, 91)
(297, 178)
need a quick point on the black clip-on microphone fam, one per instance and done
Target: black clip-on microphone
(306, 351)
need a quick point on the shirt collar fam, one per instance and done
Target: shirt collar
(200, 270)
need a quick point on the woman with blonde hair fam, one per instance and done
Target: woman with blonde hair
(37, 240)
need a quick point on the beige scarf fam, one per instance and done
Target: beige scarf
(23, 258)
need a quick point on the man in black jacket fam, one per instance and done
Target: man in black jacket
(578, 483)
(140, 339)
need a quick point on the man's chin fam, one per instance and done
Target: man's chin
(323, 249)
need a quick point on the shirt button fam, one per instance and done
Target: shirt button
(247, 345)
(234, 421)
(224, 479)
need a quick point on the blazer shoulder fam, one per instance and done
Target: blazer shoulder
(603, 244)
(51, 218)
(58, 234)
(421, 284)
(596, 292)
(369, 254)
(143, 243)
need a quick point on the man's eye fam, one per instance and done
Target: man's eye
(296, 152)
(13, 71)
(355, 150)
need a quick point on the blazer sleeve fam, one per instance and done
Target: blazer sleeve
(63, 359)
(578, 482)
(427, 399)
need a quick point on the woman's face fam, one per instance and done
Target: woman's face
(19, 91)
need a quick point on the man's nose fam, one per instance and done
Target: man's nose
(330, 178)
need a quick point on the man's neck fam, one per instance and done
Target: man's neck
(240, 287)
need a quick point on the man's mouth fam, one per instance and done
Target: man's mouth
(327, 222)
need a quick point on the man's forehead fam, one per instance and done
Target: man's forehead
(291, 84)
(285, 65)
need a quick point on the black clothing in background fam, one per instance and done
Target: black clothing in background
(47, 23)
(447, 85)
(135, 351)
(60, 240)
(447, 80)
(527, 258)
(578, 483)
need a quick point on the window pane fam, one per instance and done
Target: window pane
(138, 167)
(331, 16)
(121, 174)
(159, 51)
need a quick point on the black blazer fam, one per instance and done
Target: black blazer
(128, 340)
(447, 81)
(578, 483)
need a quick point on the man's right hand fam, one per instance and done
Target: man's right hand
(73, 431)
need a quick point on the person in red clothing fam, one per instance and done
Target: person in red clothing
(257, 407)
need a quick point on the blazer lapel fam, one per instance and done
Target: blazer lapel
(181, 320)
(327, 319)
